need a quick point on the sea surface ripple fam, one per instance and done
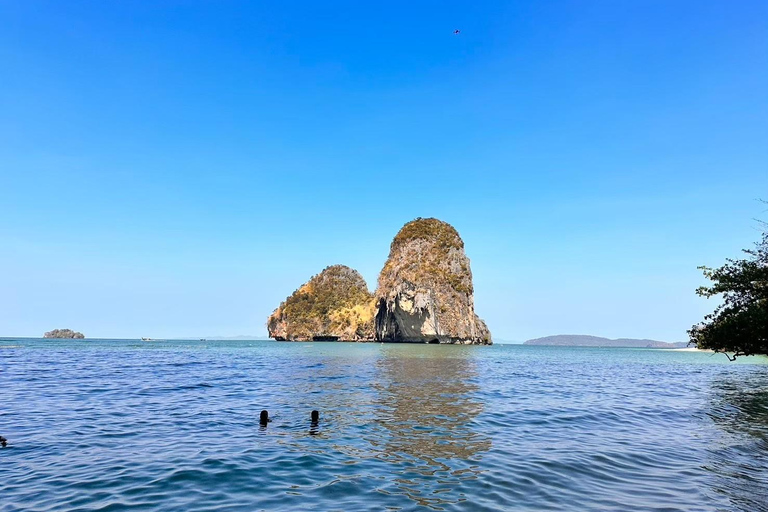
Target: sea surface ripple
(174, 425)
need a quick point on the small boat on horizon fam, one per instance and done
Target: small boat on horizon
(147, 339)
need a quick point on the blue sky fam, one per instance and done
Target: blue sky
(178, 168)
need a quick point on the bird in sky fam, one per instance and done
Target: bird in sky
(456, 32)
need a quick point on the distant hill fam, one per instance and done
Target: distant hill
(581, 340)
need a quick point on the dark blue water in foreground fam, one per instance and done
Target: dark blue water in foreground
(115, 425)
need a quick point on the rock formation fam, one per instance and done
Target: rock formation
(425, 291)
(424, 295)
(333, 305)
(64, 333)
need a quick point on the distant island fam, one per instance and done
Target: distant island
(239, 337)
(580, 340)
(424, 295)
(64, 333)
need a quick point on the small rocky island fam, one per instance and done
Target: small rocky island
(333, 305)
(424, 295)
(64, 333)
(425, 291)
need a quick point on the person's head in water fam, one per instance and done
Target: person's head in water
(3, 442)
(315, 416)
(264, 417)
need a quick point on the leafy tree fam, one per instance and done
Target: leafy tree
(740, 324)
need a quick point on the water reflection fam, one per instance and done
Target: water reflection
(338, 389)
(738, 406)
(427, 402)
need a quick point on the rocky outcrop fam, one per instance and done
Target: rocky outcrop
(424, 295)
(333, 305)
(425, 292)
(64, 333)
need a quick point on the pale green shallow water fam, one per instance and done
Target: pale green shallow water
(119, 425)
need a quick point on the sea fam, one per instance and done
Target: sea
(109, 425)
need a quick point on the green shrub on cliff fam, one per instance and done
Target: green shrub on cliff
(335, 302)
(430, 261)
(442, 234)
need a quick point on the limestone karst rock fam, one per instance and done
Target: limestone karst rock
(64, 333)
(424, 295)
(425, 291)
(333, 305)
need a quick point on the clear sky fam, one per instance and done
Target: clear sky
(177, 168)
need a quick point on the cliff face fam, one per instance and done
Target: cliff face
(333, 305)
(425, 292)
(64, 333)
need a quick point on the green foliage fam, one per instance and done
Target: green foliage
(740, 324)
(457, 283)
(443, 234)
(334, 302)
(432, 265)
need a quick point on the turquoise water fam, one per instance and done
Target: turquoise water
(119, 424)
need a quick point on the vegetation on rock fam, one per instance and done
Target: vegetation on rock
(64, 333)
(335, 303)
(424, 249)
(442, 234)
(424, 294)
(740, 324)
